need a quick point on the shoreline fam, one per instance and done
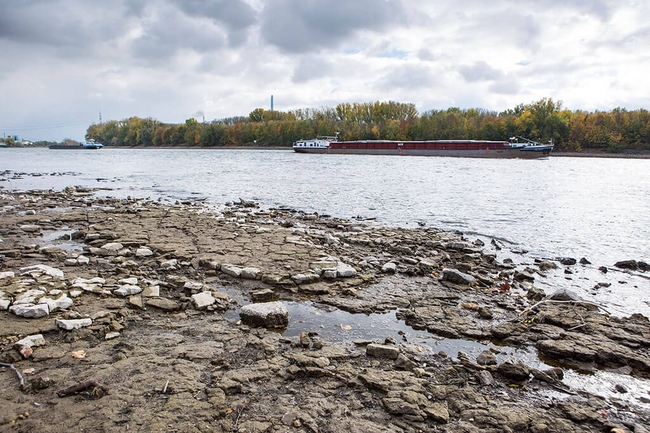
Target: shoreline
(591, 154)
(160, 289)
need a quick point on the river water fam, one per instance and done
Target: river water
(596, 208)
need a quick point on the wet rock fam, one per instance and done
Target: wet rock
(30, 311)
(546, 265)
(389, 268)
(305, 278)
(69, 325)
(486, 358)
(524, 276)
(565, 295)
(535, 294)
(304, 339)
(266, 315)
(485, 313)
(514, 370)
(382, 351)
(263, 295)
(627, 264)
(486, 378)
(620, 388)
(163, 304)
(584, 261)
(567, 261)
(203, 300)
(457, 277)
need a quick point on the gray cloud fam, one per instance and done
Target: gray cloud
(310, 68)
(299, 26)
(479, 71)
(407, 77)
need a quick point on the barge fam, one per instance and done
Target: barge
(527, 149)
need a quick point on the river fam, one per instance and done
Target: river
(596, 208)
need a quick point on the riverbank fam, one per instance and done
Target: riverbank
(144, 298)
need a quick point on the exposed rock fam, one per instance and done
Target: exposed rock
(546, 265)
(151, 291)
(567, 261)
(24, 346)
(250, 273)
(127, 290)
(6, 274)
(263, 295)
(565, 295)
(514, 370)
(266, 315)
(162, 303)
(343, 270)
(143, 252)
(203, 300)
(71, 324)
(60, 303)
(627, 264)
(389, 268)
(457, 277)
(30, 228)
(232, 270)
(486, 358)
(382, 351)
(30, 311)
(37, 270)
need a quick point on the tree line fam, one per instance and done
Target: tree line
(544, 120)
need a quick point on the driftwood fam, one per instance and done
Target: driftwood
(97, 390)
(20, 376)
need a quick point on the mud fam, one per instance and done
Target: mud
(471, 345)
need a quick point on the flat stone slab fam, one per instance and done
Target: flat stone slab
(30, 311)
(203, 300)
(457, 277)
(71, 324)
(382, 351)
(265, 315)
(162, 303)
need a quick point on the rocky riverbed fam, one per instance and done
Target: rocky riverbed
(126, 315)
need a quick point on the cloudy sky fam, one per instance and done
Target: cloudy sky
(65, 61)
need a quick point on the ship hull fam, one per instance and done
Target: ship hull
(446, 148)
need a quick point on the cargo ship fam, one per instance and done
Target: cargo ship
(514, 148)
(90, 144)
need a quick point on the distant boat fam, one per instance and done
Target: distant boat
(527, 149)
(89, 144)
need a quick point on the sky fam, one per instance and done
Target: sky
(66, 61)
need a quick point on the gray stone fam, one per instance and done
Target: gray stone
(232, 270)
(250, 273)
(83, 260)
(6, 274)
(438, 412)
(111, 335)
(30, 228)
(266, 314)
(486, 358)
(69, 325)
(29, 341)
(143, 252)
(389, 268)
(169, 264)
(305, 278)
(343, 270)
(111, 248)
(30, 311)
(37, 270)
(263, 295)
(4, 304)
(382, 351)
(457, 277)
(203, 300)
(151, 291)
(131, 280)
(162, 303)
(61, 303)
(565, 295)
(514, 370)
(128, 290)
